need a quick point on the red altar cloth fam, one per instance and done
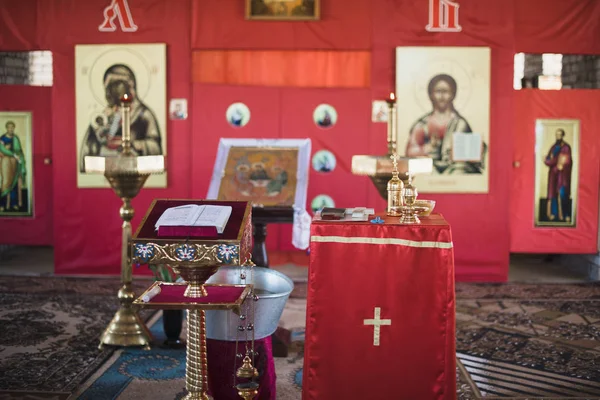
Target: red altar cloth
(402, 275)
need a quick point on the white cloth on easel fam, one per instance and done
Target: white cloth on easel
(301, 229)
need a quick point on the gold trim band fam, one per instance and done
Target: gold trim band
(371, 240)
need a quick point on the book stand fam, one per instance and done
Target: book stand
(196, 259)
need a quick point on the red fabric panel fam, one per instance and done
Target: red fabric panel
(416, 293)
(221, 24)
(565, 104)
(210, 125)
(87, 228)
(560, 26)
(344, 139)
(36, 230)
(172, 294)
(19, 28)
(481, 250)
(348, 69)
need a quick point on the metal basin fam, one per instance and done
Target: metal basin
(273, 289)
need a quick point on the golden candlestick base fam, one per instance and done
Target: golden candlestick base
(247, 391)
(126, 327)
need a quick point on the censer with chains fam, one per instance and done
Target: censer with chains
(245, 377)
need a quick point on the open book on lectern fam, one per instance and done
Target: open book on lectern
(211, 217)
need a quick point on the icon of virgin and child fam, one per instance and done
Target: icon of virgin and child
(431, 134)
(103, 136)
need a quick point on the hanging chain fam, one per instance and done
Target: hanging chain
(246, 318)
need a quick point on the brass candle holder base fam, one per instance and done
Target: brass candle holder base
(409, 216)
(126, 328)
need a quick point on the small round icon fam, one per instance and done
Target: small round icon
(323, 161)
(238, 114)
(321, 201)
(325, 116)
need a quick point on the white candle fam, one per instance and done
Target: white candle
(151, 294)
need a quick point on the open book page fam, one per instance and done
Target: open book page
(178, 216)
(196, 215)
(216, 216)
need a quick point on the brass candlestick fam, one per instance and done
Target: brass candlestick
(391, 125)
(126, 174)
(409, 198)
(394, 191)
(379, 168)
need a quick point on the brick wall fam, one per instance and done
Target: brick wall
(26, 68)
(533, 65)
(581, 72)
(14, 68)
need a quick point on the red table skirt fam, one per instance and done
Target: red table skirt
(380, 320)
(220, 368)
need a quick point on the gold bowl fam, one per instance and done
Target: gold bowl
(424, 207)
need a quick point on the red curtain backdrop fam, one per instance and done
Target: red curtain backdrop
(19, 28)
(565, 104)
(36, 230)
(285, 113)
(560, 26)
(220, 24)
(87, 226)
(86, 222)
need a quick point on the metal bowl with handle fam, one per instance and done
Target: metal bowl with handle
(273, 289)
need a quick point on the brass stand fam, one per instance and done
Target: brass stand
(196, 372)
(126, 176)
(195, 260)
(380, 169)
(126, 327)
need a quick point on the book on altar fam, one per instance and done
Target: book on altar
(193, 220)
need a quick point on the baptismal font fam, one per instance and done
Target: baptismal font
(126, 172)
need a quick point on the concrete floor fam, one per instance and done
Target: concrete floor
(529, 268)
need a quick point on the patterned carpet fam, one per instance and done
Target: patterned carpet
(50, 329)
(513, 341)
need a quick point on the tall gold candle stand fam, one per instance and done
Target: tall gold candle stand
(196, 259)
(126, 174)
(391, 125)
(380, 169)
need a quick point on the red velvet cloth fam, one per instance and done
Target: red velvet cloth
(232, 229)
(214, 294)
(411, 280)
(221, 356)
(550, 104)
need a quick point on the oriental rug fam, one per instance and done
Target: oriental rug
(514, 341)
(49, 333)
